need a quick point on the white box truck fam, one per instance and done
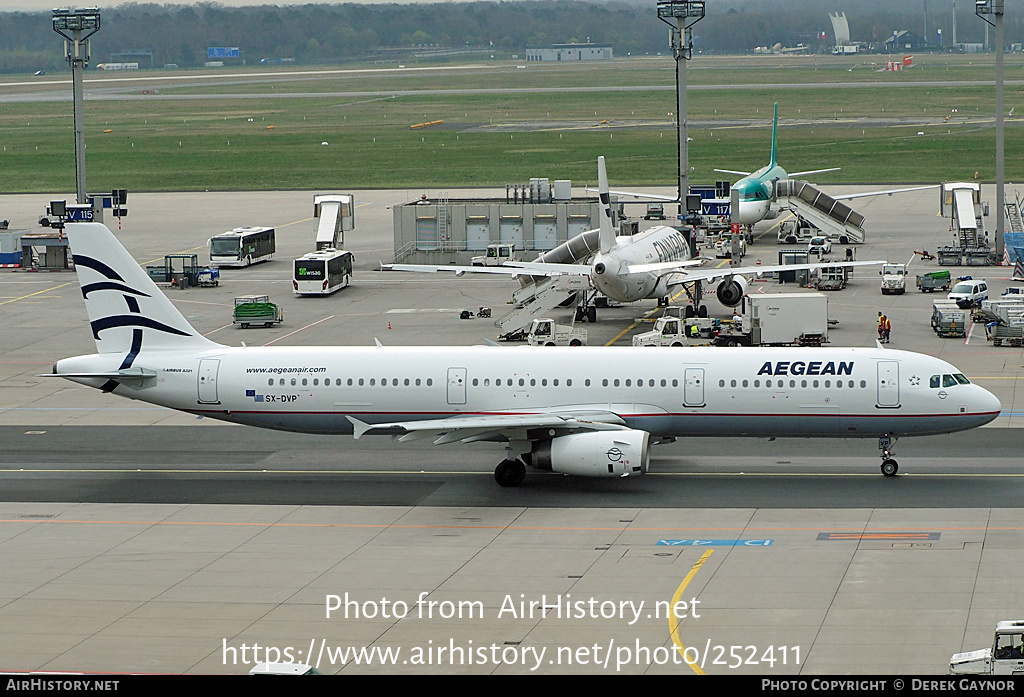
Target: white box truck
(782, 319)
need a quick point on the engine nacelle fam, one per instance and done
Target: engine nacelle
(595, 453)
(730, 292)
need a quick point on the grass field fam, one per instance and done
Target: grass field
(257, 129)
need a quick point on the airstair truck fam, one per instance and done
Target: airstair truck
(1004, 657)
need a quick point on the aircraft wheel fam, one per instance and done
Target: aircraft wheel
(688, 312)
(890, 467)
(703, 311)
(592, 315)
(510, 473)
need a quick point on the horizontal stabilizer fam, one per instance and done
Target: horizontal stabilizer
(120, 375)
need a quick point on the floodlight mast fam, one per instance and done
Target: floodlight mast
(76, 26)
(684, 13)
(995, 8)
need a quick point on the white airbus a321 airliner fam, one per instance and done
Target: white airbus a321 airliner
(583, 411)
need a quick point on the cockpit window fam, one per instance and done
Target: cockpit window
(934, 381)
(962, 379)
(948, 381)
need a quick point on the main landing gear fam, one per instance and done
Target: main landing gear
(586, 310)
(889, 466)
(512, 470)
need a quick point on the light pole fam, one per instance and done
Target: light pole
(995, 8)
(684, 13)
(76, 26)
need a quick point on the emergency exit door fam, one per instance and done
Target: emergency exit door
(888, 384)
(693, 387)
(456, 385)
(207, 380)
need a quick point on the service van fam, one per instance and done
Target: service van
(969, 293)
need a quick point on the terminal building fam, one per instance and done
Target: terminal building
(536, 219)
(569, 52)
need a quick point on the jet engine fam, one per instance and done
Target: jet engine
(594, 453)
(730, 292)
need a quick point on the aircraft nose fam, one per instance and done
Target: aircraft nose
(987, 403)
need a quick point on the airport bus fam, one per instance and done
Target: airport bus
(242, 246)
(322, 272)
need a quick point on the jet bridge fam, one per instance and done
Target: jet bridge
(539, 295)
(335, 213)
(835, 219)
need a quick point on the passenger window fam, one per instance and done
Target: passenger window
(568, 383)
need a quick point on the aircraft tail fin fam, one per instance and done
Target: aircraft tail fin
(127, 311)
(775, 128)
(606, 239)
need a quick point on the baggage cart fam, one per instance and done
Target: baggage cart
(256, 309)
(1000, 334)
(949, 320)
(931, 282)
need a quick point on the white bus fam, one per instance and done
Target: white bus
(322, 272)
(242, 246)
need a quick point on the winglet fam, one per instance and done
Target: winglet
(606, 239)
(775, 128)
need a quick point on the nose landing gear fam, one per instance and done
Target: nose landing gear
(889, 465)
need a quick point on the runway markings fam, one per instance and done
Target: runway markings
(829, 536)
(511, 528)
(673, 622)
(38, 292)
(298, 330)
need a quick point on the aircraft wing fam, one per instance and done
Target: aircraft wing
(888, 192)
(457, 270)
(654, 197)
(472, 428)
(663, 267)
(726, 271)
(814, 171)
(511, 268)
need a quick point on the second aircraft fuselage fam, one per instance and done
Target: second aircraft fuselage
(658, 244)
(756, 193)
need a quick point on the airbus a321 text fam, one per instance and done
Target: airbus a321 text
(580, 411)
(646, 265)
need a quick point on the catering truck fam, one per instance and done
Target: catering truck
(781, 319)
